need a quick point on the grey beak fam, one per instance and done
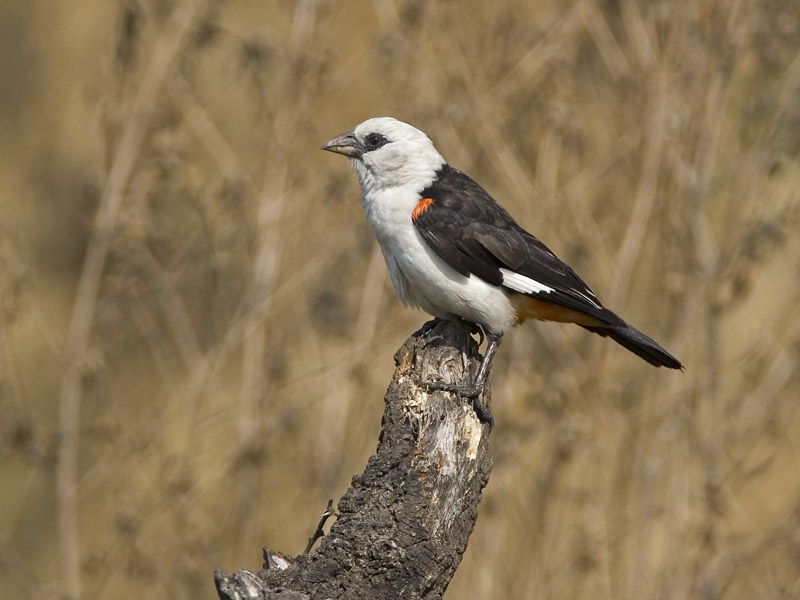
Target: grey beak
(346, 144)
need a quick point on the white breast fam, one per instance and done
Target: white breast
(422, 279)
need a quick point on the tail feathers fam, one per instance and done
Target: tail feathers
(638, 343)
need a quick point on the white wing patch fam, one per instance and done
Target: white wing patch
(523, 285)
(526, 285)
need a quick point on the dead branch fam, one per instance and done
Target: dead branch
(404, 524)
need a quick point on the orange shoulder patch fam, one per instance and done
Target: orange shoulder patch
(420, 208)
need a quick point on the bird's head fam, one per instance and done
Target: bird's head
(388, 153)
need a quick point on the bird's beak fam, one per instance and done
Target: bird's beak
(346, 144)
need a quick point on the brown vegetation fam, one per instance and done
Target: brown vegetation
(196, 327)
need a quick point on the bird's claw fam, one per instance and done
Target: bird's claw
(460, 390)
(470, 393)
(477, 329)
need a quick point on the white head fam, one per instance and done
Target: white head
(388, 153)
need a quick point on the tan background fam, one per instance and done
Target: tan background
(204, 366)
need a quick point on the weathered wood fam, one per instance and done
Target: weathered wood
(404, 524)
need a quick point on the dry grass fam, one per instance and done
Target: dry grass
(196, 328)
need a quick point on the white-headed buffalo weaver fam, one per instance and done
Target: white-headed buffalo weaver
(453, 251)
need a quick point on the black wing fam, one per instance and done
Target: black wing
(472, 233)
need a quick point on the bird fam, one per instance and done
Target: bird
(452, 250)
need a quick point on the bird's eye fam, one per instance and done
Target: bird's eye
(374, 141)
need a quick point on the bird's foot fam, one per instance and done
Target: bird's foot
(427, 327)
(471, 393)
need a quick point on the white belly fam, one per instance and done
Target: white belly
(422, 279)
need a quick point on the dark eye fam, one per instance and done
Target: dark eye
(374, 141)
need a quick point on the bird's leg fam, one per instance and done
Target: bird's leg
(486, 363)
(475, 390)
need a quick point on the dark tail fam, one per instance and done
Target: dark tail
(638, 343)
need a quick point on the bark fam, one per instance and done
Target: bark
(404, 524)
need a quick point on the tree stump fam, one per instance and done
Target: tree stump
(404, 524)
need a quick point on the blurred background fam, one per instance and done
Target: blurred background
(197, 328)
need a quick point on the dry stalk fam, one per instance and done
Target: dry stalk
(271, 201)
(164, 55)
(646, 192)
